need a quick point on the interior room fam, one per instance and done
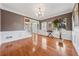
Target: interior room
(39, 29)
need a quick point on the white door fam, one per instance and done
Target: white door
(34, 27)
(44, 26)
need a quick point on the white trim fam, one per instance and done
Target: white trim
(14, 35)
(11, 10)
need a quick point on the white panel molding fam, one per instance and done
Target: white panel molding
(8, 36)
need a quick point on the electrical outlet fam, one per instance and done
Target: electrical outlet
(8, 37)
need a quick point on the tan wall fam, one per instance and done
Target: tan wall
(11, 21)
(67, 15)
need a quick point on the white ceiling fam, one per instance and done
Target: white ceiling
(29, 9)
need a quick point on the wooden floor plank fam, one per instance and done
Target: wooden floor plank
(38, 45)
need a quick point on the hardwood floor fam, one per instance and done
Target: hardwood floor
(38, 45)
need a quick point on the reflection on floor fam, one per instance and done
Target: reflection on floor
(37, 45)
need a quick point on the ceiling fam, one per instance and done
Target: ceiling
(29, 9)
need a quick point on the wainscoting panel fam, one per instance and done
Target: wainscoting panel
(7, 36)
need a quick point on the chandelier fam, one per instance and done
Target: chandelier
(40, 10)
